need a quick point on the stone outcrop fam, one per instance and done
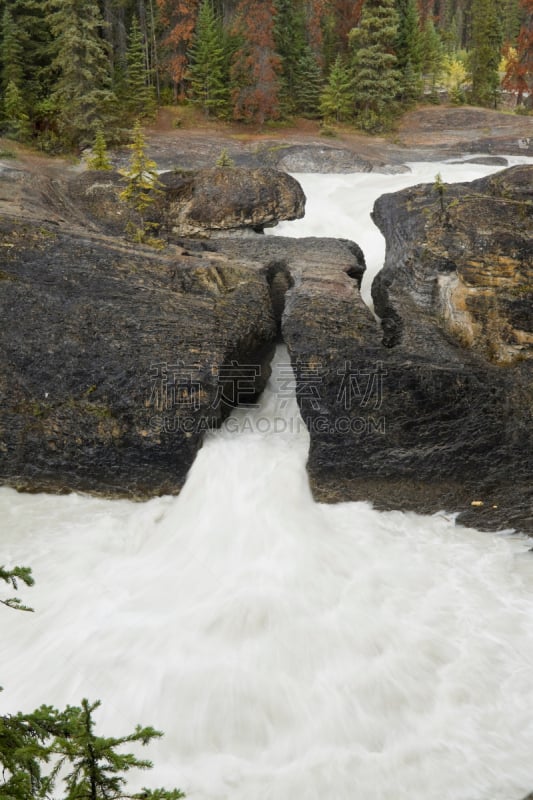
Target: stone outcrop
(195, 203)
(460, 257)
(111, 358)
(116, 358)
(437, 415)
(228, 199)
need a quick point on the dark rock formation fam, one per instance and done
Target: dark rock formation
(228, 199)
(112, 356)
(496, 161)
(195, 203)
(115, 359)
(438, 415)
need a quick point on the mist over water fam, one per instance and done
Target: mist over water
(289, 650)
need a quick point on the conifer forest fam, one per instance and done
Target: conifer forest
(70, 68)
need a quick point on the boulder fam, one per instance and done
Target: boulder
(228, 199)
(194, 203)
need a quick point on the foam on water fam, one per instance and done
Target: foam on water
(289, 650)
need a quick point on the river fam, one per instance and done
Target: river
(289, 650)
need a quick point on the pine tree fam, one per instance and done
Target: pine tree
(409, 50)
(24, 752)
(209, 70)
(432, 56)
(11, 51)
(97, 769)
(16, 118)
(143, 185)
(376, 73)
(38, 749)
(300, 73)
(310, 83)
(82, 91)
(485, 53)
(256, 65)
(13, 577)
(337, 99)
(25, 49)
(99, 159)
(140, 101)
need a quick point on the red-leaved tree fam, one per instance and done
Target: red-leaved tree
(256, 66)
(179, 20)
(519, 75)
(316, 11)
(347, 15)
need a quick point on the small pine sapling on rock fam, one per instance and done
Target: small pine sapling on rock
(99, 159)
(142, 189)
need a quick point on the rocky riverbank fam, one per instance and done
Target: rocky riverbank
(423, 134)
(116, 357)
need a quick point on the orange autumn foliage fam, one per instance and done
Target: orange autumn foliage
(519, 75)
(256, 65)
(179, 20)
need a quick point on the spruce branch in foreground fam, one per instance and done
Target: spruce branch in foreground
(12, 577)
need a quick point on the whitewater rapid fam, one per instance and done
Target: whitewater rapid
(287, 649)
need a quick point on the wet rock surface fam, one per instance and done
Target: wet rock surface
(230, 199)
(117, 358)
(194, 202)
(111, 356)
(438, 415)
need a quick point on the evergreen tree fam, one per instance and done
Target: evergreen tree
(25, 51)
(16, 118)
(97, 769)
(38, 749)
(485, 53)
(11, 51)
(511, 20)
(432, 56)
(82, 92)
(300, 74)
(376, 76)
(409, 50)
(13, 577)
(25, 750)
(140, 101)
(143, 185)
(310, 83)
(209, 70)
(99, 159)
(337, 99)
(86, 765)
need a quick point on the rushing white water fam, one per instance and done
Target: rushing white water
(339, 205)
(289, 650)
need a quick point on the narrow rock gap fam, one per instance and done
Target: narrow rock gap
(279, 281)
